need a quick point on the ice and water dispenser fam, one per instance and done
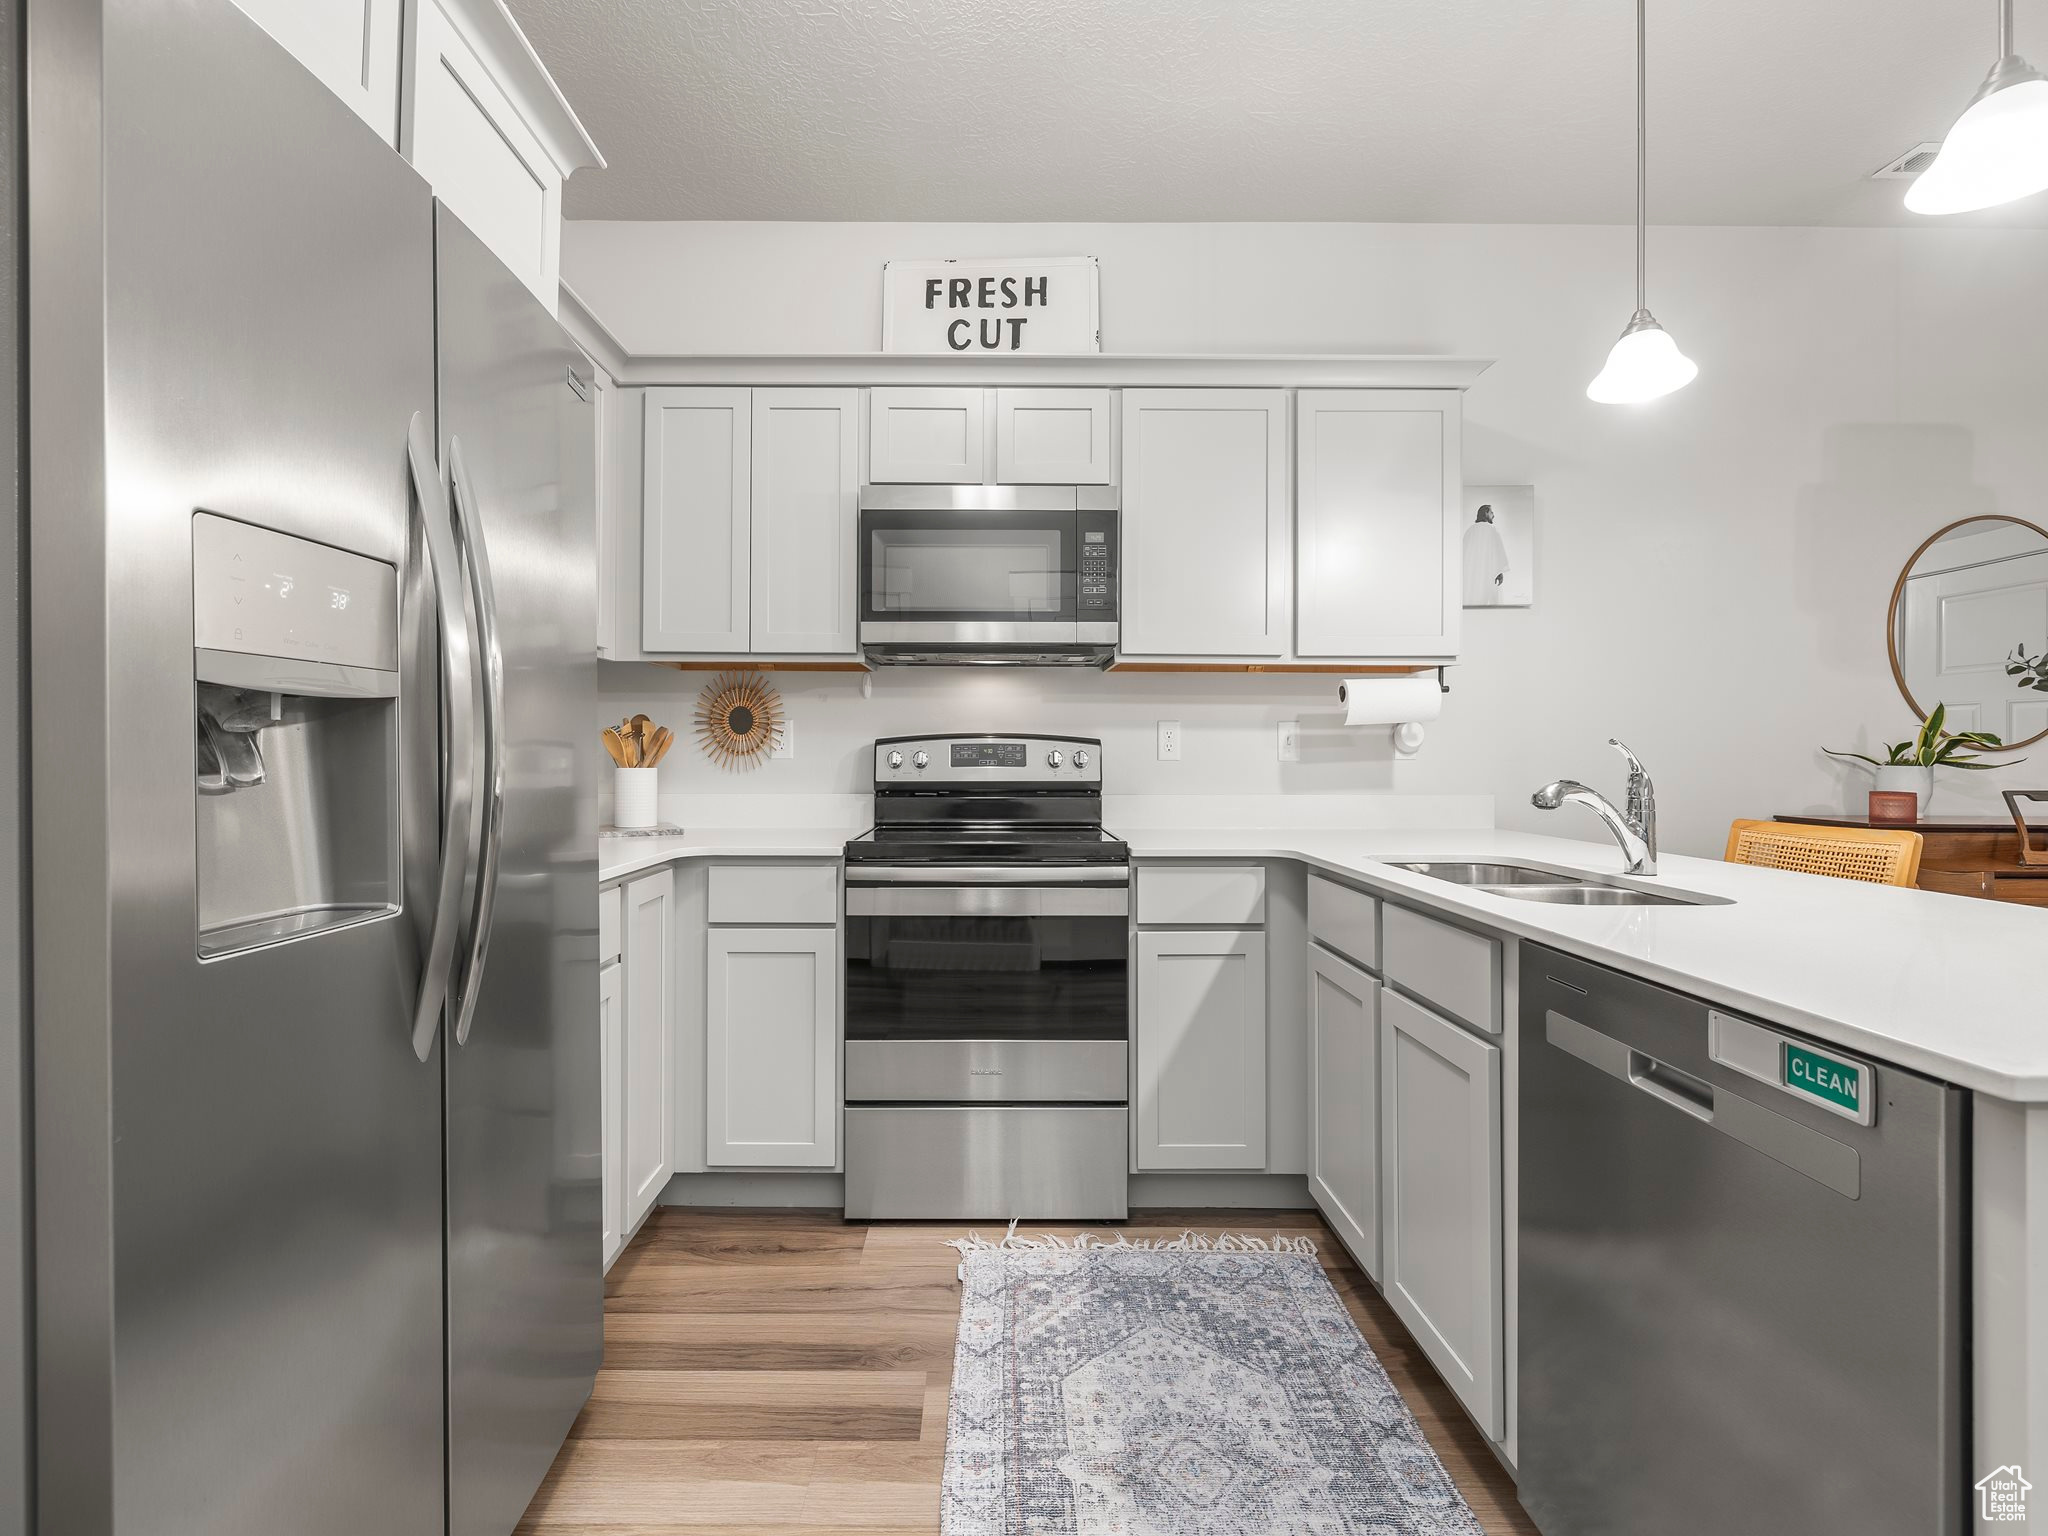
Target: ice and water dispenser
(295, 690)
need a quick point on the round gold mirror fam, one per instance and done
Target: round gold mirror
(1968, 627)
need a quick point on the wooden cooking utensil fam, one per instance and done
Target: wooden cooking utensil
(615, 744)
(658, 748)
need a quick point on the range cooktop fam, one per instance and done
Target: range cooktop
(1023, 800)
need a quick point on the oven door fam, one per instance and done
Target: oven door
(993, 994)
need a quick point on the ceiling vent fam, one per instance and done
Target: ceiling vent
(1908, 165)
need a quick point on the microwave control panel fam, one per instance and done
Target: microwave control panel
(1095, 565)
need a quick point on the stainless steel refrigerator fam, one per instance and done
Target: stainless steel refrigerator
(317, 1235)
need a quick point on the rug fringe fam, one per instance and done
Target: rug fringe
(1187, 1242)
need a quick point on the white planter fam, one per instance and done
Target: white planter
(1912, 780)
(633, 796)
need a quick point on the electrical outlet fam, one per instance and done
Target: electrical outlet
(785, 741)
(1169, 741)
(1289, 741)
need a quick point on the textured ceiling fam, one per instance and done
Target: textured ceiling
(1762, 111)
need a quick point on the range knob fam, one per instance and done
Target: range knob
(895, 759)
(920, 760)
(1080, 759)
(1053, 759)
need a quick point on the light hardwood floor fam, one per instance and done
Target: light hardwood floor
(772, 1373)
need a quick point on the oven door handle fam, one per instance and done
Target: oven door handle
(992, 874)
(987, 901)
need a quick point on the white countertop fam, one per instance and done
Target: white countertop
(620, 856)
(1949, 986)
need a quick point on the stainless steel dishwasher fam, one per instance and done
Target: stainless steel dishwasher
(1741, 1277)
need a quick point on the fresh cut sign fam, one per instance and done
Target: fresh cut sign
(1046, 304)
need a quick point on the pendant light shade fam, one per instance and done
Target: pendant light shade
(1646, 362)
(1998, 149)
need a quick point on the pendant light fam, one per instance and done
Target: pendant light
(1646, 362)
(1998, 148)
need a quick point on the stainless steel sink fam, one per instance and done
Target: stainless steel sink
(1595, 896)
(1491, 874)
(1532, 882)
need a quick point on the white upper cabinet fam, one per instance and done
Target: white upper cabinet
(1205, 525)
(484, 123)
(928, 436)
(806, 517)
(1052, 437)
(696, 567)
(352, 45)
(1378, 489)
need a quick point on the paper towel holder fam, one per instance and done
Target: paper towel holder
(1407, 735)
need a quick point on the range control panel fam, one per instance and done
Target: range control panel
(988, 760)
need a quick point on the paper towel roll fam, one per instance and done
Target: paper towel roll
(1390, 700)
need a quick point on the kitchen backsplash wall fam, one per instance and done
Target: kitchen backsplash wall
(1712, 569)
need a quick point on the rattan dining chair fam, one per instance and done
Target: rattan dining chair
(1876, 855)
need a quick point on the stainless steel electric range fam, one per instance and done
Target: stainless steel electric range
(987, 986)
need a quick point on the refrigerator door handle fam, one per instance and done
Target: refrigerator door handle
(469, 536)
(459, 757)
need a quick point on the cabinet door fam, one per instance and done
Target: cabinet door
(806, 500)
(611, 1035)
(771, 1023)
(476, 149)
(1378, 487)
(1205, 526)
(927, 436)
(1344, 1102)
(1201, 1050)
(1440, 1197)
(1052, 437)
(695, 576)
(650, 979)
(352, 45)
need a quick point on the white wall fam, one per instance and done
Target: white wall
(1712, 570)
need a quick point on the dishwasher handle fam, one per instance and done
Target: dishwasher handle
(1681, 1090)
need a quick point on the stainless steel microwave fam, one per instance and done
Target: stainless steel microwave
(1016, 575)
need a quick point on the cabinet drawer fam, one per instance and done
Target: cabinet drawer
(1457, 970)
(1204, 897)
(774, 895)
(608, 925)
(1344, 921)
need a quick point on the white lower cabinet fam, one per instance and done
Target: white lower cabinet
(1440, 1198)
(1201, 1049)
(771, 1024)
(1344, 1102)
(646, 1156)
(611, 1037)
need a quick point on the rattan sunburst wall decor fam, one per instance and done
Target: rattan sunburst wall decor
(739, 719)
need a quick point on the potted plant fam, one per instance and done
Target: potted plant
(1909, 766)
(2027, 671)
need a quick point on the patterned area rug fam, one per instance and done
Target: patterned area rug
(1201, 1387)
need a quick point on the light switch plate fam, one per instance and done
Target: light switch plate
(1288, 741)
(785, 741)
(1169, 741)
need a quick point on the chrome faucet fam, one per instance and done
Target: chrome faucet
(1635, 828)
